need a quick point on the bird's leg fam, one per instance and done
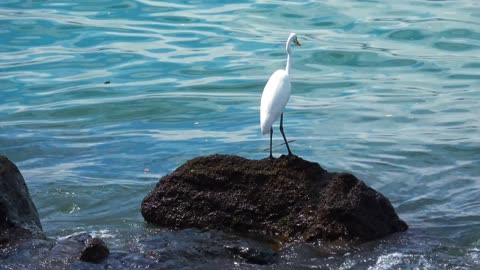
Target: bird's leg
(283, 134)
(271, 135)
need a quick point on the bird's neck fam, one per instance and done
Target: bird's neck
(289, 54)
(289, 58)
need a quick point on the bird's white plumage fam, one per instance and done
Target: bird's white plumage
(276, 93)
(274, 98)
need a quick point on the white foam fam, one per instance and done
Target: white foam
(100, 233)
(389, 261)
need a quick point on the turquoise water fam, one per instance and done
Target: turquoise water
(387, 90)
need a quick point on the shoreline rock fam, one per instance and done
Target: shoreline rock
(284, 198)
(18, 215)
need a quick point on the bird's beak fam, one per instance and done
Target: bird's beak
(297, 42)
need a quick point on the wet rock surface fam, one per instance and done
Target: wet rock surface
(185, 249)
(18, 216)
(285, 198)
(81, 246)
(77, 251)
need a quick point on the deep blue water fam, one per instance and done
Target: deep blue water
(387, 90)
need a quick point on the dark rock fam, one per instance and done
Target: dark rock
(95, 251)
(18, 215)
(285, 198)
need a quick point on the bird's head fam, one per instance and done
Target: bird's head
(293, 38)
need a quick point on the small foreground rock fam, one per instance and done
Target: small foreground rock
(286, 198)
(95, 251)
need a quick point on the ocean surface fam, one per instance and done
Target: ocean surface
(99, 99)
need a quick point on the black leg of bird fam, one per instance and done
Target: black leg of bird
(283, 134)
(271, 135)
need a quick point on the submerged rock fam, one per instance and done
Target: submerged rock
(285, 198)
(18, 215)
(76, 247)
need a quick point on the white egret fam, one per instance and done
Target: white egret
(275, 96)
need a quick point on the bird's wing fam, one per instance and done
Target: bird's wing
(274, 98)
